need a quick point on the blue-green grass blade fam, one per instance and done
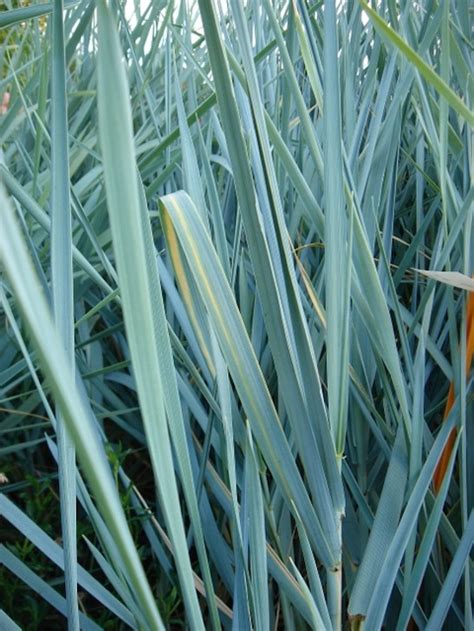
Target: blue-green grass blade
(7, 623)
(136, 288)
(63, 297)
(257, 539)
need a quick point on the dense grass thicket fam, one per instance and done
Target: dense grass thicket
(237, 319)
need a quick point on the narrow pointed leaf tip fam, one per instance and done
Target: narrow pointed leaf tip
(455, 279)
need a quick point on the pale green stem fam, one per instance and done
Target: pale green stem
(334, 585)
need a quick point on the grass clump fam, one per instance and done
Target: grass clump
(237, 339)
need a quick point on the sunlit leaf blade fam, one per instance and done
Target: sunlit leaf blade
(455, 279)
(136, 292)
